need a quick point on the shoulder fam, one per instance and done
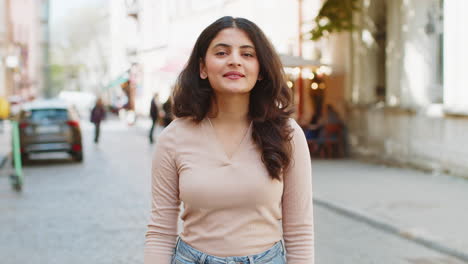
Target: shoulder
(179, 127)
(297, 133)
(296, 129)
(175, 136)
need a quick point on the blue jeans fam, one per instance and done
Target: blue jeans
(185, 254)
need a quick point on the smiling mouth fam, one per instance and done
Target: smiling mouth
(234, 75)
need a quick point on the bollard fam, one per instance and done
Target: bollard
(17, 176)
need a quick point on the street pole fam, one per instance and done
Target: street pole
(17, 177)
(47, 89)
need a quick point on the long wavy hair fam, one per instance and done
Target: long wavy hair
(270, 99)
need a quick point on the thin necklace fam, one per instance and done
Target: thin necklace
(209, 120)
(238, 145)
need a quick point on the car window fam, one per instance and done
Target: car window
(48, 115)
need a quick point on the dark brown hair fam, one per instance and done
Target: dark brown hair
(270, 99)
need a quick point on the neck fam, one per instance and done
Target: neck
(230, 108)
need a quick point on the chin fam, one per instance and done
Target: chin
(236, 90)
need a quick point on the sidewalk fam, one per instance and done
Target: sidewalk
(5, 142)
(428, 209)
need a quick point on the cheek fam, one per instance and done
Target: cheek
(256, 68)
(213, 67)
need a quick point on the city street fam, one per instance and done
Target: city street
(96, 212)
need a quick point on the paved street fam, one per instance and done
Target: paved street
(96, 212)
(93, 212)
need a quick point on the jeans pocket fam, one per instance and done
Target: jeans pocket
(179, 259)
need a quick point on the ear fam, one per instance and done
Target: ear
(203, 73)
(260, 77)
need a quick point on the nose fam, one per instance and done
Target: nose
(234, 60)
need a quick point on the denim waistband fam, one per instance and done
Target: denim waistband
(189, 254)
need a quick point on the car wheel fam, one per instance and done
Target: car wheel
(78, 156)
(24, 160)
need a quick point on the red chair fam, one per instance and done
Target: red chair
(333, 142)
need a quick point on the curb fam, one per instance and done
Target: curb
(392, 229)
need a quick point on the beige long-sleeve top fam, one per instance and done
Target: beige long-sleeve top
(231, 205)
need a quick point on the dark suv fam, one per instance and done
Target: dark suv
(50, 126)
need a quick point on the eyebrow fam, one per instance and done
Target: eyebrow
(229, 46)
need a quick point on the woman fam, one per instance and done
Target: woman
(98, 113)
(233, 157)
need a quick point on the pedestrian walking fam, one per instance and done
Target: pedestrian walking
(154, 113)
(98, 113)
(234, 157)
(167, 108)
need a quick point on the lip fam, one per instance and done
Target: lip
(233, 75)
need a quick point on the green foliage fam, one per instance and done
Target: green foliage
(334, 16)
(57, 77)
(60, 74)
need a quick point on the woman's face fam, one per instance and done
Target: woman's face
(231, 63)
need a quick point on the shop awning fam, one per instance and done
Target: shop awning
(117, 81)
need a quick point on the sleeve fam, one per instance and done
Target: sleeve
(162, 228)
(297, 205)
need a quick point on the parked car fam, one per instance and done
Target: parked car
(50, 126)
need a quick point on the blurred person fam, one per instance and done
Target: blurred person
(332, 116)
(98, 113)
(234, 157)
(154, 113)
(167, 109)
(317, 132)
(327, 116)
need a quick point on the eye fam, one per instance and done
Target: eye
(248, 55)
(220, 53)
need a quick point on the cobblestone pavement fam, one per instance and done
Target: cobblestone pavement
(96, 212)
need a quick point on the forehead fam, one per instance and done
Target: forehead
(233, 37)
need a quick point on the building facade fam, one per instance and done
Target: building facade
(406, 94)
(397, 79)
(21, 48)
(158, 36)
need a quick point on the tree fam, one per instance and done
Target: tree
(79, 51)
(334, 16)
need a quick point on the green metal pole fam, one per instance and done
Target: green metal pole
(17, 178)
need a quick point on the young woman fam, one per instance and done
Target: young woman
(233, 157)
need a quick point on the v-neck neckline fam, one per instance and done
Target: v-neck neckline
(220, 147)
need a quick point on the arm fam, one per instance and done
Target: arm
(162, 228)
(298, 220)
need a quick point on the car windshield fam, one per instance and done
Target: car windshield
(48, 115)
